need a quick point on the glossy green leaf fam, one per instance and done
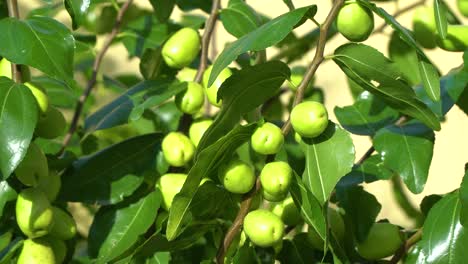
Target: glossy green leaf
(208, 162)
(329, 157)
(407, 150)
(106, 177)
(40, 42)
(378, 75)
(440, 15)
(7, 194)
(239, 18)
(405, 57)
(464, 201)
(163, 9)
(18, 117)
(297, 250)
(241, 93)
(116, 228)
(187, 5)
(367, 115)
(59, 93)
(77, 9)
(263, 37)
(430, 78)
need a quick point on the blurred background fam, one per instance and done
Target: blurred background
(451, 145)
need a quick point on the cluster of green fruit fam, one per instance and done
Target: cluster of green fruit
(46, 226)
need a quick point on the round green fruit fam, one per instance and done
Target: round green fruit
(456, 40)
(287, 211)
(41, 97)
(315, 239)
(36, 251)
(355, 22)
(170, 184)
(383, 240)
(177, 149)
(424, 26)
(34, 213)
(51, 125)
(264, 228)
(59, 248)
(191, 100)
(181, 48)
(276, 178)
(267, 139)
(198, 129)
(64, 227)
(33, 167)
(186, 74)
(50, 185)
(237, 177)
(212, 91)
(309, 119)
(463, 7)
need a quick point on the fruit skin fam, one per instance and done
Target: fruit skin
(309, 119)
(186, 74)
(267, 139)
(59, 248)
(50, 185)
(41, 97)
(177, 149)
(263, 228)
(355, 22)
(181, 48)
(170, 185)
(191, 100)
(456, 40)
(197, 129)
(287, 211)
(463, 7)
(424, 26)
(64, 227)
(33, 167)
(237, 176)
(276, 178)
(34, 213)
(383, 240)
(36, 251)
(212, 91)
(51, 125)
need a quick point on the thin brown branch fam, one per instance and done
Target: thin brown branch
(410, 242)
(92, 81)
(366, 155)
(399, 13)
(13, 11)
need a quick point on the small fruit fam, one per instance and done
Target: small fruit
(64, 227)
(355, 22)
(212, 91)
(36, 251)
(287, 211)
(50, 185)
(267, 139)
(181, 48)
(263, 228)
(33, 167)
(191, 100)
(424, 26)
(383, 240)
(186, 74)
(51, 125)
(41, 97)
(34, 213)
(276, 178)
(463, 7)
(309, 119)
(197, 129)
(177, 149)
(237, 177)
(315, 239)
(456, 40)
(170, 184)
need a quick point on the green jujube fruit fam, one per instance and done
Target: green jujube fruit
(383, 240)
(212, 91)
(287, 211)
(181, 48)
(41, 97)
(463, 7)
(198, 128)
(170, 184)
(424, 27)
(237, 176)
(177, 149)
(456, 40)
(267, 139)
(33, 167)
(51, 125)
(309, 119)
(36, 251)
(276, 178)
(64, 227)
(34, 213)
(191, 100)
(186, 74)
(355, 22)
(264, 228)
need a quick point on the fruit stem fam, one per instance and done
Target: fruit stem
(410, 242)
(13, 11)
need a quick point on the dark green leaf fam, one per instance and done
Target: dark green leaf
(187, 5)
(11, 250)
(407, 150)
(297, 250)
(406, 58)
(77, 9)
(464, 201)
(18, 117)
(59, 93)
(245, 255)
(112, 173)
(7, 194)
(40, 42)
(265, 36)
(430, 78)
(239, 18)
(163, 9)
(440, 15)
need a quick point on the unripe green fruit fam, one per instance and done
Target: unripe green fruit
(177, 149)
(424, 27)
(197, 129)
(212, 91)
(34, 214)
(463, 7)
(237, 177)
(315, 239)
(33, 167)
(5, 70)
(5, 239)
(181, 48)
(383, 240)
(191, 100)
(456, 40)
(36, 251)
(170, 184)
(64, 227)
(41, 97)
(297, 74)
(276, 178)
(59, 248)
(263, 228)
(309, 119)
(50, 185)
(52, 125)
(267, 139)
(287, 211)
(186, 75)
(355, 22)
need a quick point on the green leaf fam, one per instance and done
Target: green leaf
(239, 18)
(7, 194)
(163, 9)
(18, 117)
(367, 115)
(111, 174)
(116, 228)
(440, 14)
(59, 94)
(329, 157)
(208, 162)
(378, 75)
(187, 5)
(408, 151)
(406, 58)
(298, 250)
(241, 93)
(40, 42)
(263, 37)
(464, 200)
(14, 246)
(77, 9)
(430, 78)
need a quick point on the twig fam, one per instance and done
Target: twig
(399, 13)
(404, 201)
(410, 242)
(13, 11)
(290, 4)
(92, 81)
(366, 155)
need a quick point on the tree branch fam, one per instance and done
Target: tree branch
(92, 81)
(410, 242)
(399, 13)
(13, 11)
